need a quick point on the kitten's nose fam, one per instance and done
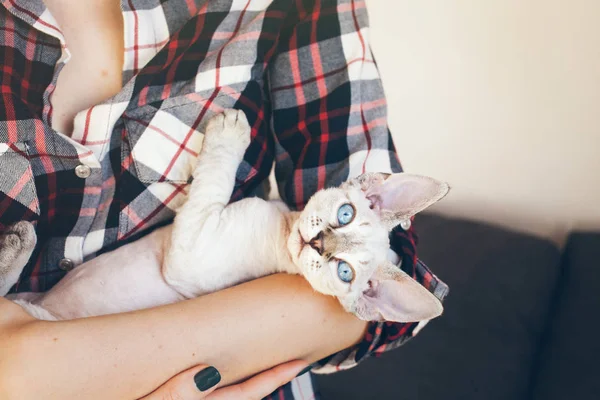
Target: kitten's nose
(317, 243)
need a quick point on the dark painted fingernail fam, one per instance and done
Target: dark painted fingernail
(305, 370)
(207, 378)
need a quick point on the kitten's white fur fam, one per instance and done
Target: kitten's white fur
(212, 245)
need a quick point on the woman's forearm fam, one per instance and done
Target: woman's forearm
(241, 331)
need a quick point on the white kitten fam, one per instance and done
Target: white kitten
(338, 243)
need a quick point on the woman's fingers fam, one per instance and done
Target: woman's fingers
(262, 384)
(201, 381)
(195, 383)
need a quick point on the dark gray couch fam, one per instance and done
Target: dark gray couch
(521, 322)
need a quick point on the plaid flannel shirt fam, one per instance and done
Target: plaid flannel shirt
(301, 70)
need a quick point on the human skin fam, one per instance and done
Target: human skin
(241, 331)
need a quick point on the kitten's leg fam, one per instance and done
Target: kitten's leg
(226, 139)
(16, 246)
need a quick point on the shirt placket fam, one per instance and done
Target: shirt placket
(88, 168)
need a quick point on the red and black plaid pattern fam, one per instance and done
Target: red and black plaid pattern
(301, 70)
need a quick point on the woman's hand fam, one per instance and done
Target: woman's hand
(201, 381)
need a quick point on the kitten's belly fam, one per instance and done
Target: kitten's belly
(126, 279)
(247, 245)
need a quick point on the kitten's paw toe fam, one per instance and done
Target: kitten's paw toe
(26, 234)
(237, 123)
(10, 249)
(215, 124)
(16, 246)
(10, 243)
(231, 116)
(235, 119)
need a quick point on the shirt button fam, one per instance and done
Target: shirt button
(66, 264)
(405, 224)
(83, 171)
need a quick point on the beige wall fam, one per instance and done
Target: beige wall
(502, 100)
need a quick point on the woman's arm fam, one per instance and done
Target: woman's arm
(240, 330)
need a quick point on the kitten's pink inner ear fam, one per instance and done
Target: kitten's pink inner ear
(394, 296)
(405, 194)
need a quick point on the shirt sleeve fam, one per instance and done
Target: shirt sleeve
(329, 123)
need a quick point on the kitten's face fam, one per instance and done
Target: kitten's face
(338, 241)
(340, 244)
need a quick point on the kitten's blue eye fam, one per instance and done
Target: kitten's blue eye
(345, 214)
(345, 271)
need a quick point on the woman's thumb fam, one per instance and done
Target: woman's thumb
(194, 383)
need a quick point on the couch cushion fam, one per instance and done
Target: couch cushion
(568, 364)
(483, 346)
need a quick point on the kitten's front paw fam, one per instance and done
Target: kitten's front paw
(229, 129)
(16, 246)
(19, 238)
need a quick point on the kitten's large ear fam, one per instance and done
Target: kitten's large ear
(396, 197)
(395, 296)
